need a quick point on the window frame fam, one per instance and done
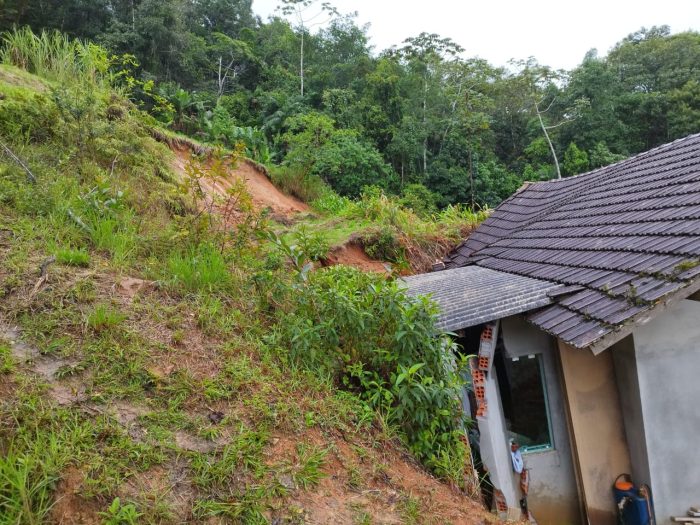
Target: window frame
(551, 446)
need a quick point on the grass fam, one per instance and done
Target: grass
(154, 367)
(201, 268)
(311, 460)
(73, 257)
(7, 363)
(104, 318)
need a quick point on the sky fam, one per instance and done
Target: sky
(558, 33)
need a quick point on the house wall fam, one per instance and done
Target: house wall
(625, 362)
(596, 424)
(667, 352)
(553, 498)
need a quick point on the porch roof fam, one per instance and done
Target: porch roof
(472, 295)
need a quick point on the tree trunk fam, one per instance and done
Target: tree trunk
(425, 140)
(301, 62)
(546, 136)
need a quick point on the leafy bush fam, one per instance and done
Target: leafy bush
(338, 156)
(332, 203)
(420, 199)
(364, 332)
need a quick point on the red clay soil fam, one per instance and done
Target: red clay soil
(264, 193)
(352, 254)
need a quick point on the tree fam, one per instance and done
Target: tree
(308, 14)
(425, 54)
(575, 160)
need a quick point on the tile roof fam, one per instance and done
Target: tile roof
(627, 235)
(473, 295)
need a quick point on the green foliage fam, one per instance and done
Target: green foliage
(198, 268)
(337, 156)
(7, 363)
(601, 156)
(575, 160)
(104, 318)
(73, 257)
(365, 333)
(120, 514)
(311, 460)
(298, 183)
(54, 56)
(420, 199)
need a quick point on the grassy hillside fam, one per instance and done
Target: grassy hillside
(170, 356)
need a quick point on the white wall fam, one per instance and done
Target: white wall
(667, 354)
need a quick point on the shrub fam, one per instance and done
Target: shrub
(365, 333)
(420, 199)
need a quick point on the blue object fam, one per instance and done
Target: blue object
(632, 507)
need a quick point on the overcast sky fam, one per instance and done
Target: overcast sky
(556, 32)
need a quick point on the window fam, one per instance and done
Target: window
(524, 399)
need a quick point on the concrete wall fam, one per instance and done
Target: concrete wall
(667, 352)
(553, 498)
(596, 422)
(625, 362)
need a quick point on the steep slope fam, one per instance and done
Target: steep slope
(139, 382)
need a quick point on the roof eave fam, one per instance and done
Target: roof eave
(642, 318)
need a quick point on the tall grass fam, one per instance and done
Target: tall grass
(54, 56)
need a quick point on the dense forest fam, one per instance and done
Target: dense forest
(305, 90)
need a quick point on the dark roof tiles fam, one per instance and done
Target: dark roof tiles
(629, 234)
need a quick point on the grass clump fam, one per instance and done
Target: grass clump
(199, 268)
(7, 363)
(296, 182)
(73, 257)
(103, 318)
(311, 461)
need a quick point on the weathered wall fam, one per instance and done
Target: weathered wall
(625, 362)
(596, 421)
(667, 352)
(553, 497)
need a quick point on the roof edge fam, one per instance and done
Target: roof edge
(642, 318)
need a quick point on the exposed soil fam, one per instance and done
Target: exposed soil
(284, 208)
(352, 254)
(264, 193)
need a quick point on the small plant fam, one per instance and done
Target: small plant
(103, 318)
(71, 257)
(311, 461)
(200, 268)
(7, 364)
(312, 244)
(120, 514)
(410, 510)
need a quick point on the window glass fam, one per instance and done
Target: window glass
(524, 399)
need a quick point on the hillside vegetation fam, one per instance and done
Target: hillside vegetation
(171, 352)
(420, 118)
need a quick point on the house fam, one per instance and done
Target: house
(581, 298)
